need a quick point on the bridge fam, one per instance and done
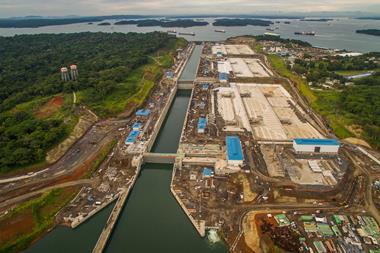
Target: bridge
(165, 158)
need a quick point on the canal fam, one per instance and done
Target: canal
(152, 220)
(190, 71)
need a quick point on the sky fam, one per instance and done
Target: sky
(9, 8)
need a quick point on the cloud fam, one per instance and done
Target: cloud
(101, 7)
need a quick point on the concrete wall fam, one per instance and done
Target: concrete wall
(185, 85)
(159, 158)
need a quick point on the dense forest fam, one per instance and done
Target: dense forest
(375, 32)
(163, 23)
(29, 72)
(241, 22)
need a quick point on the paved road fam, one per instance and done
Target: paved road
(46, 189)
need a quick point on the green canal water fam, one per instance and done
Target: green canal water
(152, 220)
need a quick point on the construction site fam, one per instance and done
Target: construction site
(249, 143)
(255, 166)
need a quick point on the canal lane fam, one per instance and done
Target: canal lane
(168, 138)
(152, 220)
(190, 71)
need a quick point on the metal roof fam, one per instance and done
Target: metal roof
(132, 137)
(223, 76)
(136, 125)
(330, 142)
(207, 172)
(202, 123)
(143, 112)
(234, 149)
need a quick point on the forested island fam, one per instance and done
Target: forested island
(375, 32)
(104, 24)
(241, 22)
(40, 22)
(163, 23)
(36, 106)
(317, 19)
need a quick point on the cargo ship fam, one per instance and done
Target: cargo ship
(270, 29)
(184, 33)
(172, 31)
(305, 33)
(220, 31)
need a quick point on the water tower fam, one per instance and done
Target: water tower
(74, 72)
(65, 74)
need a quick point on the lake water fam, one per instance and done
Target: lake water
(339, 33)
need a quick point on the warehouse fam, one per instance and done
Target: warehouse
(316, 145)
(234, 151)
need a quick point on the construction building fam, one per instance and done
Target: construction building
(202, 122)
(330, 146)
(65, 74)
(74, 72)
(234, 151)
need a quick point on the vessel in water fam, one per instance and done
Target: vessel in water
(185, 33)
(220, 31)
(305, 33)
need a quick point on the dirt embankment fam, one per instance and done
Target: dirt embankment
(51, 107)
(84, 123)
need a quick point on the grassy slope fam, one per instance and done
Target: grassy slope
(322, 101)
(138, 84)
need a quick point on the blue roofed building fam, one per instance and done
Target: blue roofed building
(143, 112)
(207, 172)
(205, 86)
(301, 145)
(202, 122)
(234, 151)
(132, 137)
(223, 77)
(137, 126)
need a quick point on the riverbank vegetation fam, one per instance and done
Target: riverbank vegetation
(113, 69)
(163, 23)
(241, 22)
(31, 219)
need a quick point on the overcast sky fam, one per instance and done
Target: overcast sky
(105, 7)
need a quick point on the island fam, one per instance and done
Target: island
(375, 32)
(241, 22)
(104, 24)
(317, 19)
(29, 22)
(163, 23)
